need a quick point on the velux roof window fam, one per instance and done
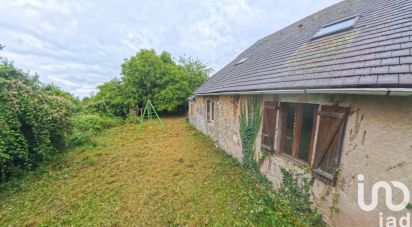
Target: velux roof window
(337, 27)
(241, 60)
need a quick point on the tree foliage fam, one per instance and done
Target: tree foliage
(110, 99)
(33, 119)
(148, 75)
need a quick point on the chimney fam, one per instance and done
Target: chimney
(300, 27)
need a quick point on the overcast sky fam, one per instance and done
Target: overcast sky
(78, 45)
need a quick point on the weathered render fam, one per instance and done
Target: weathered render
(377, 143)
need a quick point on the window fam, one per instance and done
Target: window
(337, 27)
(298, 124)
(192, 109)
(210, 109)
(241, 61)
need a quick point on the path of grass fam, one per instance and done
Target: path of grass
(172, 178)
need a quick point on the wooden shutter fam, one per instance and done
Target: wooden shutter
(269, 125)
(332, 120)
(208, 110)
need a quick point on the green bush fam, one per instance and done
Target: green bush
(85, 125)
(33, 120)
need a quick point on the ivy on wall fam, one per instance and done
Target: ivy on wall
(250, 122)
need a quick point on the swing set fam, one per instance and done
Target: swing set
(148, 112)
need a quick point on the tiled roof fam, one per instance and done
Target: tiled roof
(377, 52)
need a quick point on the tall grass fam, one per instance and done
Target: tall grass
(85, 125)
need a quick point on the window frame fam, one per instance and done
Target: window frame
(324, 150)
(191, 109)
(210, 111)
(298, 119)
(355, 21)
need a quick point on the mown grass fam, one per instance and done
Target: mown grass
(158, 178)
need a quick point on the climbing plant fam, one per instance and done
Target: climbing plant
(296, 188)
(250, 122)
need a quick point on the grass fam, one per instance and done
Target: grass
(159, 178)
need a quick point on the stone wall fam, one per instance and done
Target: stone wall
(377, 144)
(225, 129)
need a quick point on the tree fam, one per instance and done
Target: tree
(110, 99)
(150, 76)
(199, 71)
(180, 83)
(142, 76)
(159, 78)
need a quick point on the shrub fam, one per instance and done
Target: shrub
(33, 121)
(85, 125)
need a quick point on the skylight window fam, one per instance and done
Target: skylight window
(241, 61)
(337, 27)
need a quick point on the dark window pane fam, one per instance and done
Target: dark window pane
(213, 111)
(339, 26)
(208, 110)
(289, 128)
(308, 116)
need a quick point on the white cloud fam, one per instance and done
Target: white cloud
(62, 81)
(78, 45)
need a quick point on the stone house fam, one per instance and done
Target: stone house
(336, 92)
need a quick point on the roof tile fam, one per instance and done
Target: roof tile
(395, 35)
(402, 39)
(406, 24)
(405, 79)
(406, 45)
(386, 42)
(392, 79)
(351, 65)
(380, 70)
(336, 82)
(404, 52)
(405, 60)
(368, 80)
(386, 54)
(362, 71)
(351, 81)
(375, 49)
(390, 61)
(399, 69)
(368, 57)
(407, 33)
(376, 62)
(393, 46)
(348, 72)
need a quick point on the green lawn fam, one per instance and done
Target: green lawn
(158, 178)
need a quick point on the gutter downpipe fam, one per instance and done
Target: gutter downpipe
(351, 91)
